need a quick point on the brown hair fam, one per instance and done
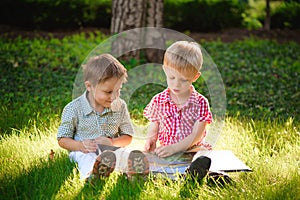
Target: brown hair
(100, 68)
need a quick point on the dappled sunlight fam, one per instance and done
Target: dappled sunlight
(71, 187)
(21, 150)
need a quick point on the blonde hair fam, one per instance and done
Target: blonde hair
(185, 57)
(100, 68)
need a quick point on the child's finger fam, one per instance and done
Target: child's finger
(147, 146)
(157, 151)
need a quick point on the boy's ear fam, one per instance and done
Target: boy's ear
(196, 76)
(88, 85)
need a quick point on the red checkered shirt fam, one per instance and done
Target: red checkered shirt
(175, 124)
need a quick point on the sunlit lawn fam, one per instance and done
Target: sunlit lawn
(271, 149)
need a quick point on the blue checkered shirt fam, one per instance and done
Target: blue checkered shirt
(80, 121)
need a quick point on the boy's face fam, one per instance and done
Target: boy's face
(177, 83)
(103, 94)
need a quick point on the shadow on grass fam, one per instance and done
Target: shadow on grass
(92, 190)
(119, 187)
(126, 189)
(40, 182)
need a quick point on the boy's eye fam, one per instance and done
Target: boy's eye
(110, 92)
(172, 77)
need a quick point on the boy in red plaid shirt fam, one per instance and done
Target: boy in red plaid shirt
(179, 115)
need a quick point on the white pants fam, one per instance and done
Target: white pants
(85, 161)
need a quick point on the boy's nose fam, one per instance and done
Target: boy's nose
(114, 95)
(177, 83)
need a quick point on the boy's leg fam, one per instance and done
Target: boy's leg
(91, 164)
(122, 155)
(131, 162)
(85, 162)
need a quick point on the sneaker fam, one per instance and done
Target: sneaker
(199, 168)
(105, 164)
(137, 164)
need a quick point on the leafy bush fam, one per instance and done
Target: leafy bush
(53, 14)
(202, 15)
(287, 16)
(182, 15)
(284, 14)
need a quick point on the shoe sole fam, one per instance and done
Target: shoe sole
(105, 164)
(219, 178)
(138, 163)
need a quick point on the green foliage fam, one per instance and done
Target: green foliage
(286, 16)
(37, 76)
(53, 14)
(261, 78)
(202, 15)
(182, 15)
(255, 10)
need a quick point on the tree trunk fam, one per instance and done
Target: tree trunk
(154, 18)
(130, 14)
(127, 14)
(267, 23)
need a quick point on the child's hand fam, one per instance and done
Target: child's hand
(150, 145)
(90, 146)
(165, 151)
(104, 140)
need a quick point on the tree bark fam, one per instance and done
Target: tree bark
(155, 13)
(130, 14)
(154, 18)
(267, 23)
(127, 14)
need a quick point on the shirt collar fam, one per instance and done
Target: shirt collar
(193, 98)
(86, 106)
(166, 97)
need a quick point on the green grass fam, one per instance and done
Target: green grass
(271, 149)
(261, 126)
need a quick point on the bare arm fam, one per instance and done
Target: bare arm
(150, 144)
(189, 141)
(74, 145)
(89, 146)
(121, 141)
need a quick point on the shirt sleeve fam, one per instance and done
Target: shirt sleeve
(126, 127)
(68, 123)
(204, 114)
(151, 110)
